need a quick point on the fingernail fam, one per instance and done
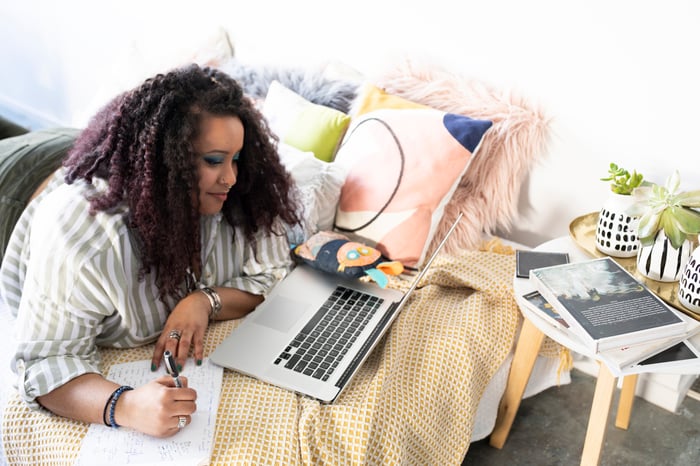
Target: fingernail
(199, 362)
(179, 367)
(153, 367)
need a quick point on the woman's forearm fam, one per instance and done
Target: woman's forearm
(82, 398)
(236, 303)
(155, 408)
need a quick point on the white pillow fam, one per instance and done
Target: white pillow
(319, 184)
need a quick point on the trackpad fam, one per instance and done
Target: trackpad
(281, 313)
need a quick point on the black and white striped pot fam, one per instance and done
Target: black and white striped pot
(661, 261)
(689, 286)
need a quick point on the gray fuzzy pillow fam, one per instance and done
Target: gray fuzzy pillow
(310, 84)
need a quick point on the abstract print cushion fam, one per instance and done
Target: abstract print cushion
(303, 124)
(402, 168)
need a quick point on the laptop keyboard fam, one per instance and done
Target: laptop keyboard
(319, 347)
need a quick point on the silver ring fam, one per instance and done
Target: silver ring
(181, 422)
(174, 334)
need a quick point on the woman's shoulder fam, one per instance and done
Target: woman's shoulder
(63, 218)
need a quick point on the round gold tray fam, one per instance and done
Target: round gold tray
(582, 230)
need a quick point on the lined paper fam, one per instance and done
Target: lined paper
(191, 446)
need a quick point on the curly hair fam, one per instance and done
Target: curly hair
(141, 143)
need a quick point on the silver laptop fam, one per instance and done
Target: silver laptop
(314, 330)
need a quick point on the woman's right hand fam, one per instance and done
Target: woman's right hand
(155, 408)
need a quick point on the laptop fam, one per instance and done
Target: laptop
(314, 330)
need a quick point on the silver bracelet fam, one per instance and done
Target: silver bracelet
(214, 301)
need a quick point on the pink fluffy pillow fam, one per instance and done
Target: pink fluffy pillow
(488, 192)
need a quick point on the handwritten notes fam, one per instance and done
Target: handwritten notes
(191, 446)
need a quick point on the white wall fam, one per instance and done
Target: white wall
(619, 78)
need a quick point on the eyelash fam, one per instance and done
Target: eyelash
(214, 160)
(219, 160)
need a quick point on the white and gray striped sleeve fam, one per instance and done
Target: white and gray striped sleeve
(56, 332)
(77, 292)
(259, 268)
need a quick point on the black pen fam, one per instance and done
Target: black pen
(171, 367)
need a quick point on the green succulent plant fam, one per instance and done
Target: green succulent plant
(665, 208)
(622, 181)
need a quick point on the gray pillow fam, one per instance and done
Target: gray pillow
(25, 162)
(310, 84)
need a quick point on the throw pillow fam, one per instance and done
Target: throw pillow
(334, 253)
(320, 86)
(318, 185)
(370, 97)
(403, 166)
(25, 162)
(488, 193)
(303, 124)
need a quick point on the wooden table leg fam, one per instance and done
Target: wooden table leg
(624, 406)
(595, 433)
(526, 351)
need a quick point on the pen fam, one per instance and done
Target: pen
(171, 367)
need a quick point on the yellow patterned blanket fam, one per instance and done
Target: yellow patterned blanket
(413, 402)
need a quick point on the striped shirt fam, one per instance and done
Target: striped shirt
(71, 280)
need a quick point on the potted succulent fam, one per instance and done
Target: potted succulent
(622, 181)
(664, 208)
(667, 229)
(616, 231)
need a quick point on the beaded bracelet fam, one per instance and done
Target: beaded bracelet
(112, 401)
(214, 301)
(104, 410)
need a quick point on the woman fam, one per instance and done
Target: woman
(171, 212)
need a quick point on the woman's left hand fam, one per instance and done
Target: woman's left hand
(184, 328)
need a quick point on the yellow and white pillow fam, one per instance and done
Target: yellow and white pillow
(302, 124)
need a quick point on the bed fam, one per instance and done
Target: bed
(434, 382)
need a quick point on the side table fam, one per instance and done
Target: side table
(527, 347)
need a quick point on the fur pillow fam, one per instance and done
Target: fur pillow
(313, 85)
(488, 192)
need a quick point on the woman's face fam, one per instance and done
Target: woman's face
(218, 148)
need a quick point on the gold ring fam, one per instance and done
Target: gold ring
(174, 334)
(181, 422)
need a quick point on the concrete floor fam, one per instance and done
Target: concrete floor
(550, 428)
